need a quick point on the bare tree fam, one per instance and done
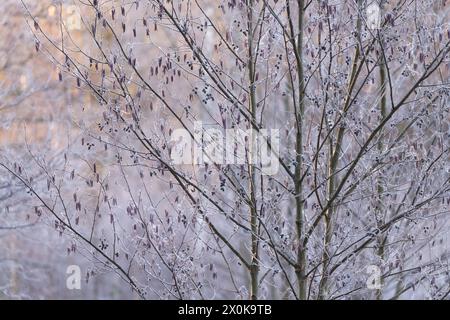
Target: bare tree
(33, 116)
(357, 90)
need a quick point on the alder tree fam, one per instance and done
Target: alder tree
(359, 205)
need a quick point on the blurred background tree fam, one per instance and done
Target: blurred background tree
(362, 110)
